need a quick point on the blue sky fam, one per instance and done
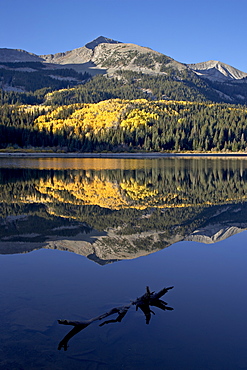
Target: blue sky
(189, 31)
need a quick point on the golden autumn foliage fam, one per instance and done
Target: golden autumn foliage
(119, 125)
(104, 115)
(137, 117)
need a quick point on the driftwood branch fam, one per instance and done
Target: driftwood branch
(144, 302)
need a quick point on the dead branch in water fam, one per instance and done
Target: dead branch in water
(144, 302)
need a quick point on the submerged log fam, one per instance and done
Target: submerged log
(144, 302)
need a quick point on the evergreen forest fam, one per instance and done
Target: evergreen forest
(133, 112)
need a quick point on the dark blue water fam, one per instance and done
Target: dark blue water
(206, 330)
(49, 205)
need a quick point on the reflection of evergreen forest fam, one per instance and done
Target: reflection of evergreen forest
(168, 183)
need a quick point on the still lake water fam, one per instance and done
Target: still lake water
(79, 237)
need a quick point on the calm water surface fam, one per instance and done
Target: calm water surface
(80, 237)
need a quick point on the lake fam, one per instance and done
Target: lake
(80, 237)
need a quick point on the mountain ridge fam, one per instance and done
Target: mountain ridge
(85, 53)
(215, 70)
(211, 80)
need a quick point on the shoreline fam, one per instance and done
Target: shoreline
(120, 155)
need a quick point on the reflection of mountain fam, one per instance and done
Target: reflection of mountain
(213, 234)
(146, 232)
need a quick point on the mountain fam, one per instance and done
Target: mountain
(110, 55)
(217, 71)
(137, 66)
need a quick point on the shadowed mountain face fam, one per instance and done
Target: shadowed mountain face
(109, 215)
(100, 40)
(211, 80)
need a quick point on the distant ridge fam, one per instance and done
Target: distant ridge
(17, 56)
(217, 71)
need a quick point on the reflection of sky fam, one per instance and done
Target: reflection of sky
(207, 328)
(99, 164)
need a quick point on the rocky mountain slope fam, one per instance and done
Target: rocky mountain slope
(212, 80)
(109, 55)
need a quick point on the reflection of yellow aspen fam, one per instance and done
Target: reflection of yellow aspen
(99, 192)
(136, 191)
(95, 188)
(96, 192)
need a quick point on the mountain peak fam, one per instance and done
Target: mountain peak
(101, 40)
